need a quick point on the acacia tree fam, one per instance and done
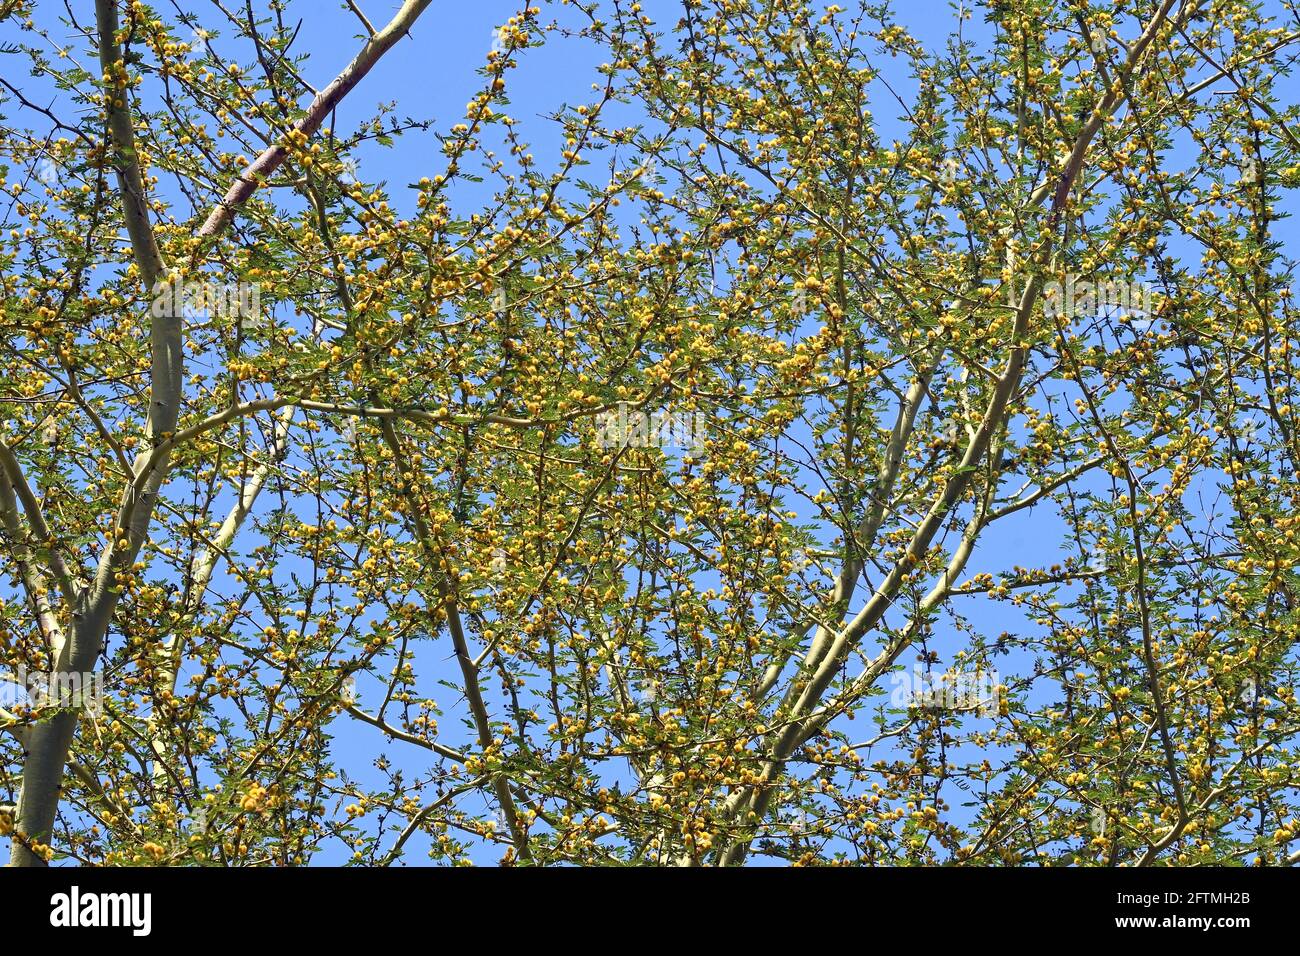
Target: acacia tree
(587, 508)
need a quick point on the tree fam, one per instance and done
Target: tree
(586, 511)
